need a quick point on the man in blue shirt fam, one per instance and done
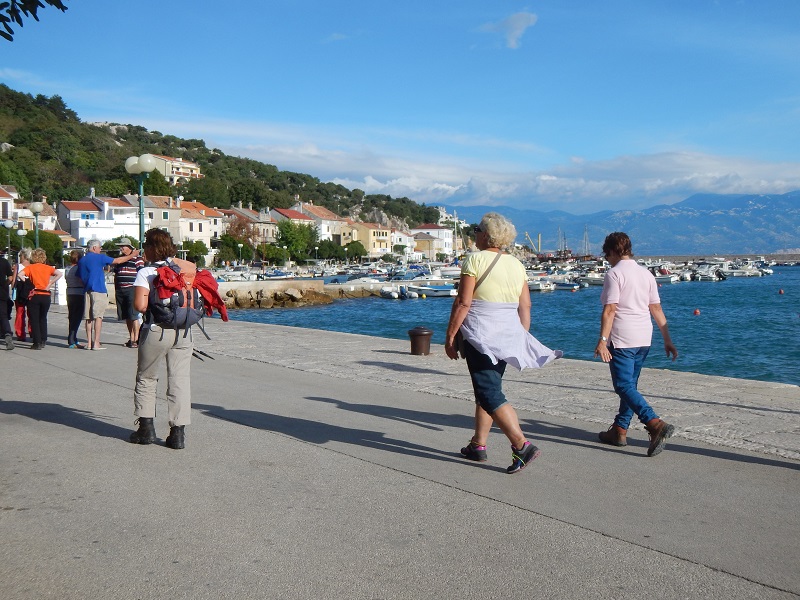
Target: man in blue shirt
(92, 271)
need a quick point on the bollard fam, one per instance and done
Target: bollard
(420, 340)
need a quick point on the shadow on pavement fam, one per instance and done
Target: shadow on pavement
(316, 432)
(62, 415)
(573, 436)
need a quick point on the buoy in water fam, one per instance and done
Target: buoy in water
(780, 291)
(696, 311)
(423, 296)
(574, 290)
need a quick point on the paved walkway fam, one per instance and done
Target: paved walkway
(324, 465)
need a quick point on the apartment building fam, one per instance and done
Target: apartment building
(177, 170)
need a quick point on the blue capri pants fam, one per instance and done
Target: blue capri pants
(487, 379)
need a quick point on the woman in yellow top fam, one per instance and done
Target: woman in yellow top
(493, 313)
(42, 276)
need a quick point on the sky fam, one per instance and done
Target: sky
(573, 105)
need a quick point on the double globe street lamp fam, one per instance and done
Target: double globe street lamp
(140, 168)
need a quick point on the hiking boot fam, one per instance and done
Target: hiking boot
(176, 438)
(659, 432)
(9, 341)
(523, 457)
(615, 436)
(146, 434)
(474, 452)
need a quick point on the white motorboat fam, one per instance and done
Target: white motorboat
(669, 278)
(539, 285)
(567, 285)
(433, 291)
(592, 278)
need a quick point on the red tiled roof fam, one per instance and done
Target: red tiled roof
(199, 206)
(321, 212)
(292, 214)
(430, 226)
(79, 205)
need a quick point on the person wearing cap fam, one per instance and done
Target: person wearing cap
(91, 270)
(124, 276)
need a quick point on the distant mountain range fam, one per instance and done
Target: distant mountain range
(703, 224)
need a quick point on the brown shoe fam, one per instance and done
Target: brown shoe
(659, 432)
(615, 436)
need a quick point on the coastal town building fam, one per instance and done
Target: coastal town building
(403, 244)
(330, 226)
(424, 245)
(375, 238)
(441, 242)
(264, 227)
(177, 170)
(98, 217)
(8, 194)
(214, 218)
(160, 212)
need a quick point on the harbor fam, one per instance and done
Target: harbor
(708, 320)
(325, 464)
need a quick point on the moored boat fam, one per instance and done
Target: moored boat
(433, 291)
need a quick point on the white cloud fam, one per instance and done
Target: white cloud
(512, 28)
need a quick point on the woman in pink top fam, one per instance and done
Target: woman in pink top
(630, 299)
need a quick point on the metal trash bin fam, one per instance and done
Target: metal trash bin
(420, 340)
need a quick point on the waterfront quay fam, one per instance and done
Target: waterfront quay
(326, 465)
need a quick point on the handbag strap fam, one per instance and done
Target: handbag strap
(486, 272)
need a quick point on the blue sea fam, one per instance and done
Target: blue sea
(746, 328)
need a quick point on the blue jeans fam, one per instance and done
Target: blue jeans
(625, 365)
(487, 379)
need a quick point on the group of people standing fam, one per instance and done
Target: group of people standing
(489, 327)
(30, 281)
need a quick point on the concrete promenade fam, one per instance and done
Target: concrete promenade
(326, 465)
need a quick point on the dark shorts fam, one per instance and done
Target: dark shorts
(125, 310)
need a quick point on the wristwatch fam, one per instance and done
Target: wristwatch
(603, 338)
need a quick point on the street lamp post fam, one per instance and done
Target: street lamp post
(316, 257)
(9, 225)
(286, 253)
(240, 252)
(140, 168)
(21, 233)
(36, 207)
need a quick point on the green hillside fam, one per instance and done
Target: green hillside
(47, 150)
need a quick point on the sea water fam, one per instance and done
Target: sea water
(745, 328)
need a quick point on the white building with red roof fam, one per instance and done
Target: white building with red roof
(177, 170)
(330, 226)
(442, 242)
(99, 218)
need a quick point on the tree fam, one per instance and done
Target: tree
(196, 252)
(13, 11)
(297, 238)
(328, 250)
(356, 250)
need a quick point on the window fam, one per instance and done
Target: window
(199, 227)
(150, 215)
(165, 215)
(191, 226)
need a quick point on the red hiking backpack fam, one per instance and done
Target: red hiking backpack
(175, 303)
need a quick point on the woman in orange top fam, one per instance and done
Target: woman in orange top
(42, 276)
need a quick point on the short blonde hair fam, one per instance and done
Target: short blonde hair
(38, 256)
(500, 232)
(25, 253)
